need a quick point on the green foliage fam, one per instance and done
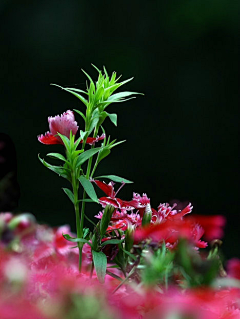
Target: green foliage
(62, 171)
(100, 263)
(86, 155)
(107, 215)
(159, 265)
(76, 240)
(196, 270)
(115, 178)
(88, 187)
(97, 97)
(69, 194)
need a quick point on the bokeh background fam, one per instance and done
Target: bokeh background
(182, 136)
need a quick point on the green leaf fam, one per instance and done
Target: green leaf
(76, 240)
(76, 90)
(129, 254)
(113, 118)
(87, 185)
(105, 220)
(86, 155)
(113, 275)
(87, 200)
(115, 178)
(94, 122)
(69, 194)
(102, 154)
(112, 242)
(96, 68)
(100, 263)
(81, 113)
(65, 140)
(85, 232)
(57, 155)
(56, 169)
(121, 95)
(91, 81)
(80, 97)
(99, 93)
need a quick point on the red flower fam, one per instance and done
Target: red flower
(111, 199)
(59, 124)
(212, 225)
(92, 140)
(142, 201)
(64, 124)
(168, 231)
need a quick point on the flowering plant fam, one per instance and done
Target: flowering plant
(136, 262)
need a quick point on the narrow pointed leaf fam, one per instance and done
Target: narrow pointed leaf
(102, 154)
(81, 113)
(112, 242)
(115, 144)
(57, 155)
(56, 169)
(87, 200)
(86, 155)
(88, 76)
(76, 240)
(129, 254)
(93, 124)
(113, 118)
(69, 194)
(115, 178)
(100, 263)
(76, 90)
(87, 185)
(121, 95)
(65, 140)
(96, 68)
(80, 97)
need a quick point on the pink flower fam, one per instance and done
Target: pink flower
(64, 124)
(143, 201)
(59, 124)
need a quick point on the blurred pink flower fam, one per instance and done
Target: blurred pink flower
(233, 268)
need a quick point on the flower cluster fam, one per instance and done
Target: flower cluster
(40, 279)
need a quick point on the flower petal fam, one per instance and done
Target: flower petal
(93, 140)
(49, 139)
(106, 188)
(63, 124)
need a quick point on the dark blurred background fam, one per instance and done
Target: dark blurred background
(182, 136)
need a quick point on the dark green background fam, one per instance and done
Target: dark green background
(181, 136)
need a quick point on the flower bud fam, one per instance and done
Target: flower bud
(147, 215)
(106, 217)
(129, 237)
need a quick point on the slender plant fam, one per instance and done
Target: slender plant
(97, 97)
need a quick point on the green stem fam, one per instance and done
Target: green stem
(76, 206)
(83, 208)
